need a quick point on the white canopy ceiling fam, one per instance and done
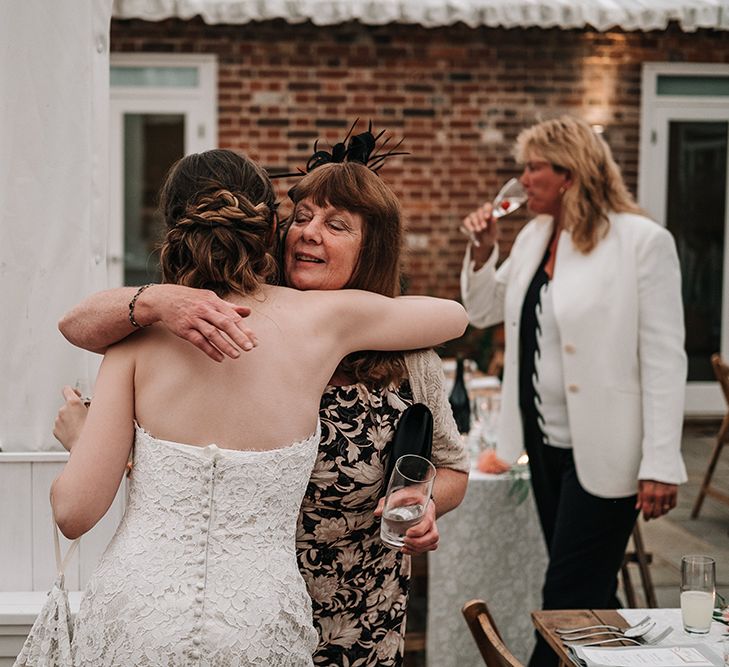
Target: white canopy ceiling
(599, 14)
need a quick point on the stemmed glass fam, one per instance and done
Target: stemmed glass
(511, 197)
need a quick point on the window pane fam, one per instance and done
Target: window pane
(696, 217)
(692, 85)
(152, 142)
(165, 77)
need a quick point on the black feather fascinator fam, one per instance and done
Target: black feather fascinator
(360, 148)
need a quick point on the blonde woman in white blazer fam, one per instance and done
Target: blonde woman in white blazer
(594, 368)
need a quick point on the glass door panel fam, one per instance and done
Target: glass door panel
(696, 215)
(151, 144)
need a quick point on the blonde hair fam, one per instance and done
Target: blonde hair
(597, 189)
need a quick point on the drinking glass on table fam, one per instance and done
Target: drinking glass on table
(698, 580)
(511, 197)
(408, 495)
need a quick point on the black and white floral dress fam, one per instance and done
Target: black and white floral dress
(358, 586)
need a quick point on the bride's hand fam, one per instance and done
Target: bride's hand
(70, 418)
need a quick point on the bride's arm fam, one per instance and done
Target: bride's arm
(198, 316)
(86, 487)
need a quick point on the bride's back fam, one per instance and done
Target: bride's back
(266, 398)
(219, 210)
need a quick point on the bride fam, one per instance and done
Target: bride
(202, 569)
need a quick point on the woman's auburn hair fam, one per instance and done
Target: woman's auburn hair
(597, 189)
(218, 207)
(353, 187)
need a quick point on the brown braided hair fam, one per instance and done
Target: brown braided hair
(219, 210)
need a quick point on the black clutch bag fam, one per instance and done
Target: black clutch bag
(414, 435)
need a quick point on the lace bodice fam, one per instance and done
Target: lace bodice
(202, 569)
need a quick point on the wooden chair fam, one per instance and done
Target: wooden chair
(721, 370)
(488, 639)
(642, 559)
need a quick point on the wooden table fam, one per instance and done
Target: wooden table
(546, 621)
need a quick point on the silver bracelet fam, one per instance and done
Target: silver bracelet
(133, 303)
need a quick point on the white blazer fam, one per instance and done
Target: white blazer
(620, 320)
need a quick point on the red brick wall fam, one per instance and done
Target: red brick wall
(458, 95)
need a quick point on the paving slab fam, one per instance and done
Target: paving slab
(675, 535)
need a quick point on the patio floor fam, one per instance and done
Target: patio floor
(675, 535)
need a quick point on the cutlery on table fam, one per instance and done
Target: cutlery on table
(585, 628)
(643, 642)
(629, 633)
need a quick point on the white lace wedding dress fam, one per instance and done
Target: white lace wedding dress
(202, 569)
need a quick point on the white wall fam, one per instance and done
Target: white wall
(27, 561)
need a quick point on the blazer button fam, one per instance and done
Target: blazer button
(569, 349)
(573, 388)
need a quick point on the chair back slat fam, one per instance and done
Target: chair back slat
(488, 639)
(721, 370)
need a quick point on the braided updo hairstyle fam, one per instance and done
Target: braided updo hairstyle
(218, 207)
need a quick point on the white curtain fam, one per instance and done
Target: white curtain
(54, 117)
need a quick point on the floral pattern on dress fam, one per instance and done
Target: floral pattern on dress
(358, 586)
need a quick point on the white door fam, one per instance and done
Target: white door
(684, 185)
(162, 107)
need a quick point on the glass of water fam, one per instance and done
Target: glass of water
(408, 495)
(698, 578)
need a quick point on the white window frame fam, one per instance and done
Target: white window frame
(702, 398)
(198, 104)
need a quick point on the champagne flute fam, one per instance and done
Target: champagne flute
(511, 197)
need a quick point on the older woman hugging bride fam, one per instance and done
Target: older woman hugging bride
(202, 569)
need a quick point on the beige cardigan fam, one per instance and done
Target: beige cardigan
(425, 372)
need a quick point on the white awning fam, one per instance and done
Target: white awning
(599, 14)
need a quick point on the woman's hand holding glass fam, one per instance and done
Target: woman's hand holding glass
(481, 227)
(423, 536)
(70, 418)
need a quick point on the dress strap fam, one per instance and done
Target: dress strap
(61, 564)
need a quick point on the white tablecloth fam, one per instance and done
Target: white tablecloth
(672, 618)
(490, 548)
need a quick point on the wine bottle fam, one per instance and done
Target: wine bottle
(459, 400)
